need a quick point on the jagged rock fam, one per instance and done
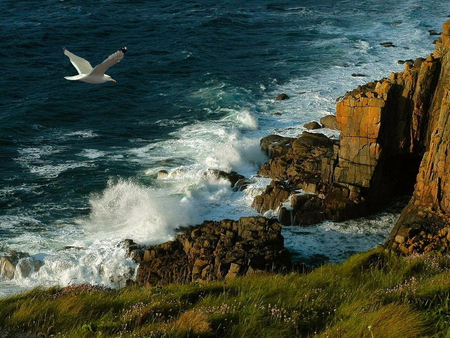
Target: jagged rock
(312, 125)
(296, 164)
(215, 251)
(272, 198)
(275, 145)
(133, 250)
(232, 176)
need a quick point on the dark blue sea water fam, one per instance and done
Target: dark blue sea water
(196, 90)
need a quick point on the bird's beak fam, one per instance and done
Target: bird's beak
(113, 80)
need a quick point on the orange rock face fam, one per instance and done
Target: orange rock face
(395, 138)
(382, 130)
(428, 212)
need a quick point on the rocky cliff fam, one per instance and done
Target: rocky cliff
(394, 140)
(425, 223)
(387, 127)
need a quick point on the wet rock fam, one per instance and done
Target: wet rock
(7, 267)
(18, 263)
(162, 174)
(282, 97)
(134, 250)
(410, 62)
(232, 176)
(275, 145)
(271, 199)
(387, 44)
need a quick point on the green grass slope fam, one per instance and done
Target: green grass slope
(371, 295)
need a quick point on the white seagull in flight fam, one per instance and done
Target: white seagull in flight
(97, 74)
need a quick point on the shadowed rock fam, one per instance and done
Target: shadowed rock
(216, 251)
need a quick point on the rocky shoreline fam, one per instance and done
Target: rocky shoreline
(393, 141)
(394, 138)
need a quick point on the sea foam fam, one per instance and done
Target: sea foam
(128, 209)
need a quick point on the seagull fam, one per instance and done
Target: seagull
(97, 74)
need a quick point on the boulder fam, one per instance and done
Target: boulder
(163, 174)
(312, 125)
(7, 267)
(275, 145)
(282, 97)
(329, 122)
(271, 199)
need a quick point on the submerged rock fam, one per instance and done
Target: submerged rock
(233, 177)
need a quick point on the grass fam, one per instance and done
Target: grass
(373, 294)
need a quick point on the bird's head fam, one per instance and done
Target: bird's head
(109, 78)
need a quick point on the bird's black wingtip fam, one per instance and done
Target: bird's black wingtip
(123, 49)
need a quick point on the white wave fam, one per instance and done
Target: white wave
(99, 264)
(39, 161)
(36, 153)
(54, 170)
(335, 241)
(92, 153)
(126, 209)
(80, 134)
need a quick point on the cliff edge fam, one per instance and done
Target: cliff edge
(425, 223)
(394, 141)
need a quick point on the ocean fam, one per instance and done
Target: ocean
(79, 163)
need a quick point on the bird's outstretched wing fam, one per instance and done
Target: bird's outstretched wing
(110, 61)
(81, 65)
